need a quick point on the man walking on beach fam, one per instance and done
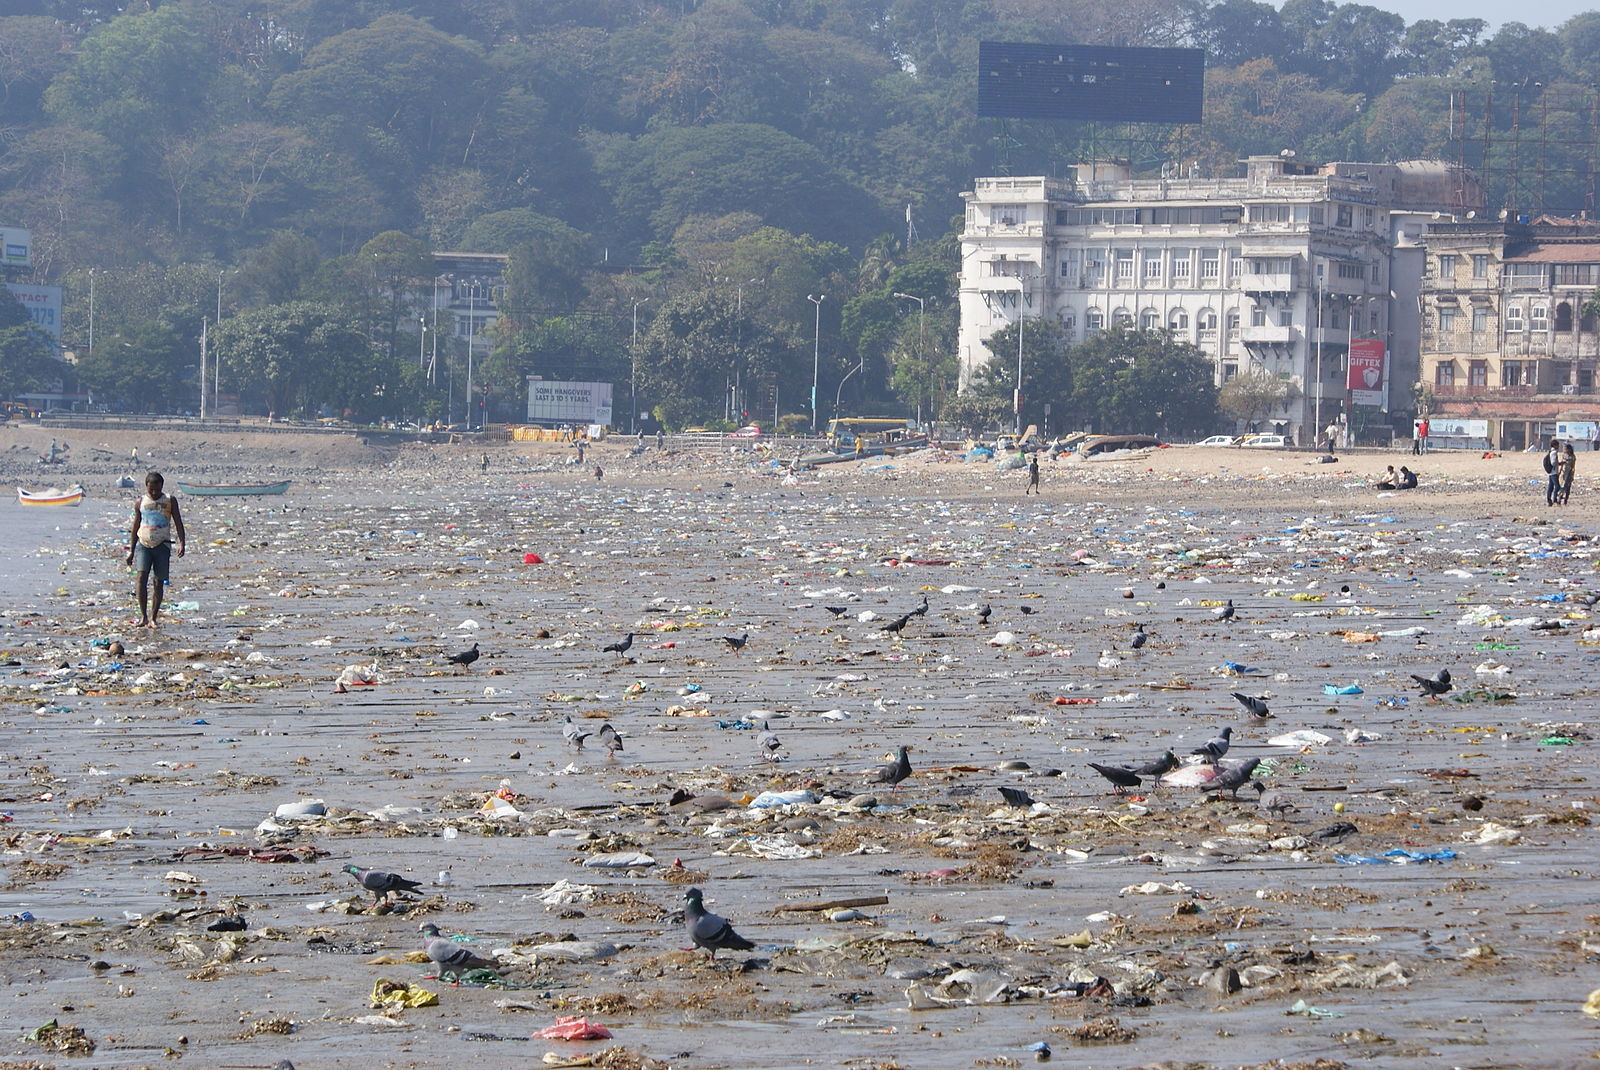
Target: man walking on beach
(1422, 435)
(156, 519)
(1552, 472)
(1033, 476)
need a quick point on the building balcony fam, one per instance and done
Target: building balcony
(1465, 390)
(1279, 282)
(1267, 334)
(1004, 230)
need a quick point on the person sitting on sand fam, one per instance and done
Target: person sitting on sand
(156, 518)
(1408, 479)
(1389, 479)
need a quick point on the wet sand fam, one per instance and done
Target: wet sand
(117, 778)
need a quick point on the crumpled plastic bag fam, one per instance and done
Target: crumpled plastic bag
(961, 988)
(1350, 975)
(359, 676)
(564, 892)
(571, 1028)
(400, 995)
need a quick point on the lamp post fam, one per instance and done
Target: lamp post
(816, 355)
(472, 334)
(922, 311)
(422, 342)
(91, 311)
(633, 367)
(433, 356)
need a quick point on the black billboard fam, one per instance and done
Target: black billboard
(1138, 85)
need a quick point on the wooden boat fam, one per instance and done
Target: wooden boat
(869, 449)
(54, 496)
(233, 490)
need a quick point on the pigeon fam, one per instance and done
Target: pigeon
(769, 743)
(1234, 777)
(837, 611)
(736, 642)
(983, 615)
(1256, 707)
(1027, 609)
(575, 734)
(895, 771)
(451, 957)
(1224, 612)
(1121, 779)
(922, 610)
(1435, 686)
(1273, 803)
(465, 657)
(229, 923)
(620, 647)
(708, 930)
(1159, 766)
(897, 625)
(610, 739)
(382, 884)
(1016, 797)
(1139, 638)
(1213, 749)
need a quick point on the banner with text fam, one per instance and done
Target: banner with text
(16, 247)
(551, 402)
(43, 304)
(1366, 371)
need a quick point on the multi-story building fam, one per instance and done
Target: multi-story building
(1277, 271)
(1508, 351)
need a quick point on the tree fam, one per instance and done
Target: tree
(1047, 372)
(695, 344)
(1126, 380)
(1252, 395)
(26, 357)
(140, 369)
(298, 355)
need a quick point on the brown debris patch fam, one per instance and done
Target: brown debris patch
(279, 1027)
(32, 870)
(1098, 1031)
(69, 1040)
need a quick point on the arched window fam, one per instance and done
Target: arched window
(1094, 320)
(1149, 319)
(1122, 318)
(1564, 317)
(1179, 320)
(1207, 319)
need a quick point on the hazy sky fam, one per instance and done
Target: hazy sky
(1548, 14)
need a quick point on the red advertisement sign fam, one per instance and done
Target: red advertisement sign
(1366, 371)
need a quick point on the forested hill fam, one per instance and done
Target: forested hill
(621, 134)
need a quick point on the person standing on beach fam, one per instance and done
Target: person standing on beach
(1552, 472)
(156, 519)
(1033, 476)
(1422, 435)
(1567, 467)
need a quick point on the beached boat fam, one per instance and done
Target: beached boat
(233, 490)
(53, 496)
(868, 449)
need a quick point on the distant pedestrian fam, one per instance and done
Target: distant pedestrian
(1422, 435)
(1567, 466)
(157, 520)
(598, 472)
(1552, 472)
(661, 440)
(1033, 475)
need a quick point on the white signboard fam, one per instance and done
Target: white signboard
(1575, 431)
(43, 304)
(1442, 425)
(16, 247)
(553, 402)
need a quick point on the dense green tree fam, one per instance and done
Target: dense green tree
(1048, 374)
(27, 359)
(1128, 381)
(297, 357)
(141, 369)
(696, 345)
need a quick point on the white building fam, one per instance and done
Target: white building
(1271, 271)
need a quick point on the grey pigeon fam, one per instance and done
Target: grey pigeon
(610, 739)
(1273, 803)
(575, 734)
(1234, 777)
(897, 625)
(1224, 612)
(708, 930)
(1121, 778)
(1016, 797)
(736, 642)
(1435, 686)
(451, 957)
(381, 884)
(465, 658)
(1139, 638)
(769, 743)
(1158, 767)
(1256, 707)
(922, 610)
(983, 615)
(895, 771)
(620, 647)
(837, 611)
(1214, 748)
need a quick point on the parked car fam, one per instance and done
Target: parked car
(1219, 440)
(747, 431)
(1266, 442)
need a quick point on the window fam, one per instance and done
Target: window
(1235, 264)
(1480, 318)
(1206, 320)
(1478, 373)
(1447, 320)
(1344, 216)
(1512, 372)
(1210, 265)
(1008, 215)
(1319, 214)
(1149, 319)
(1447, 266)
(1258, 316)
(1124, 265)
(1564, 318)
(1286, 317)
(1480, 265)
(1069, 320)
(1513, 318)
(1444, 374)
(1179, 320)
(1367, 216)
(1180, 265)
(1122, 318)
(1540, 318)
(1233, 321)
(1094, 320)
(1152, 266)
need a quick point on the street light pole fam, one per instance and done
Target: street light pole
(472, 333)
(816, 355)
(1016, 397)
(922, 340)
(633, 367)
(91, 310)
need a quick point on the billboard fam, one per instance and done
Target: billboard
(1095, 82)
(43, 304)
(552, 402)
(1366, 372)
(16, 247)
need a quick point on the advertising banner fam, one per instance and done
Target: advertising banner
(16, 247)
(552, 402)
(43, 304)
(1366, 371)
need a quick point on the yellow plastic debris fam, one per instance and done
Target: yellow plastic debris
(399, 994)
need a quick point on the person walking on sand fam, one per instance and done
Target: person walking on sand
(1033, 476)
(156, 519)
(1566, 467)
(1552, 472)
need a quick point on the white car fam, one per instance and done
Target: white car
(1266, 442)
(1216, 440)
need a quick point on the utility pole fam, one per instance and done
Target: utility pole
(816, 358)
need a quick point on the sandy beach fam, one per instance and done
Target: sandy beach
(141, 790)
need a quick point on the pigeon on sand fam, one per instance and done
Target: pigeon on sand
(708, 930)
(575, 734)
(1224, 612)
(1121, 777)
(1434, 686)
(1255, 707)
(769, 743)
(1158, 766)
(381, 884)
(609, 738)
(895, 771)
(620, 647)
(465, 657)
(450, 956)
(1214, 748)
(1233, 777)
